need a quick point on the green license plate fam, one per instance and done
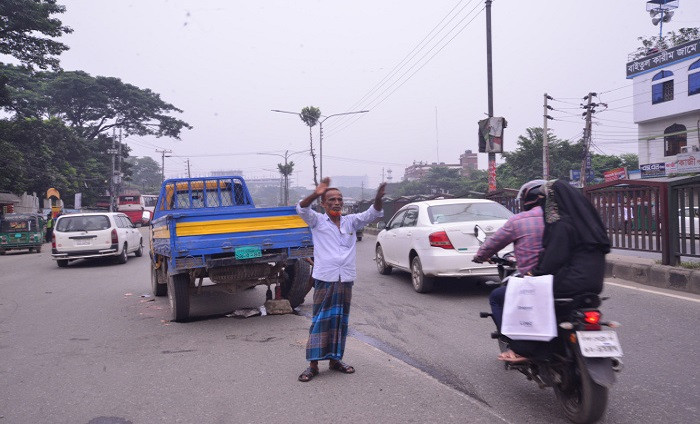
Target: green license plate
(248, 252)
(18, 235)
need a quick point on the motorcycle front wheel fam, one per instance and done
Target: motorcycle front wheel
(582, 399)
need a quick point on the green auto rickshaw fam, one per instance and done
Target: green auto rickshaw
(21, 231)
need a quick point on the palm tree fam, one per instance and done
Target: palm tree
(286, 170)
(310, 115)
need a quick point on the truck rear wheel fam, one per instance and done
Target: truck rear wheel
(159, 287)
(179, 297)
(295, 282)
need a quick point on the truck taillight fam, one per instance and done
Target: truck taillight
(440, 239)
(53, 241)
(115, 237)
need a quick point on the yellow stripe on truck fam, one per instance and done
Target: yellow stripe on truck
(239, 225)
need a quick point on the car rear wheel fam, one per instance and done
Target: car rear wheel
(123, 257)
(2, 251)
(382, 267)
(62, 263)
(421, 283)
(37, 249)
(139, 251)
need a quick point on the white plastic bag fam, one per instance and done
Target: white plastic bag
(528, 310)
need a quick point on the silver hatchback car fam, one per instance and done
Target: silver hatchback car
(94, 235)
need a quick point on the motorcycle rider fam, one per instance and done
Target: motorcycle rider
(575, 242)
(525, 231)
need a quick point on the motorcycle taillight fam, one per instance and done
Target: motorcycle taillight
(591, 320)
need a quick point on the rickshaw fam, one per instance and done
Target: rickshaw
(21, 231)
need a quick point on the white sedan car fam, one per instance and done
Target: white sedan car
(94, 235)
(435, 238)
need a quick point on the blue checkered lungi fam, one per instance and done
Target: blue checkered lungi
(329, 324)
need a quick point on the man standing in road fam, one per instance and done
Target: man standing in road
(334, 273)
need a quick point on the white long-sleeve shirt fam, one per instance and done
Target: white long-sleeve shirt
(334, 248)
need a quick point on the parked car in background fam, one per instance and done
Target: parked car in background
(19, 231)
(436, 238)
(94, 235)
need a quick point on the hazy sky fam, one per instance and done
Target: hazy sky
(226, 64)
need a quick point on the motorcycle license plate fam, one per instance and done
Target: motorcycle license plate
(599, 344)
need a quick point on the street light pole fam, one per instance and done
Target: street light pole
(320, 136)
(320, 127)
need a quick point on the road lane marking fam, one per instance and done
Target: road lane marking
(675, 296)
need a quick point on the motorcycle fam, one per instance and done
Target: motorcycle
(580, 363)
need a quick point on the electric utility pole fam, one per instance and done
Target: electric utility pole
(189, 174)
(545, 139)
(162, 162)
(489, 77)
(113, 151)
(586, 161)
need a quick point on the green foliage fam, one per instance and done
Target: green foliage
(90, 105)
(286, 170)
(310, 115)
(39, 154)
(671, 39)
(525, 163)
(144, 173)
(22, 22)
(520, 166)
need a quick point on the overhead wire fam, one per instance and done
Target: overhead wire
(377, 98)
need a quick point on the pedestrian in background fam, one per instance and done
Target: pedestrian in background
(334, 273)
(49, 227)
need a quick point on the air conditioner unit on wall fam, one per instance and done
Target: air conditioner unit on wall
(689, 149)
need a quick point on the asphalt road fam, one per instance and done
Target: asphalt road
(80, 345)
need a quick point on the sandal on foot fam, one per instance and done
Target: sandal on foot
(342, 367)
(308, 374)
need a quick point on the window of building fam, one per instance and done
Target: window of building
(662, 91)
(694, 78)
(674, 141)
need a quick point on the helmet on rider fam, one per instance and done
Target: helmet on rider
(532, 194)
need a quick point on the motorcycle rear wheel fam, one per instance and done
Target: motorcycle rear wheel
(582, 400)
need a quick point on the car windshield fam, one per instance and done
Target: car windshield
(460, 212)
(83, 223)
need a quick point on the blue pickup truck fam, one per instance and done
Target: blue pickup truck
(210, 228)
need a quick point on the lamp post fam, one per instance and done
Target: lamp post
(286, 156)
(320, 127)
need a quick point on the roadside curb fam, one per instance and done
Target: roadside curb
(662, 276)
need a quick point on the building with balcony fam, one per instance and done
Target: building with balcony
(666, 108)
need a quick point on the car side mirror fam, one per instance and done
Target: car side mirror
(381, 225)
(480, 234)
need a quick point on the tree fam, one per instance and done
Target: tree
(91, 105)
(39, 154)
(144, 173)
(286, 170)
(22, 22)
(310, 115)
(671, 39)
